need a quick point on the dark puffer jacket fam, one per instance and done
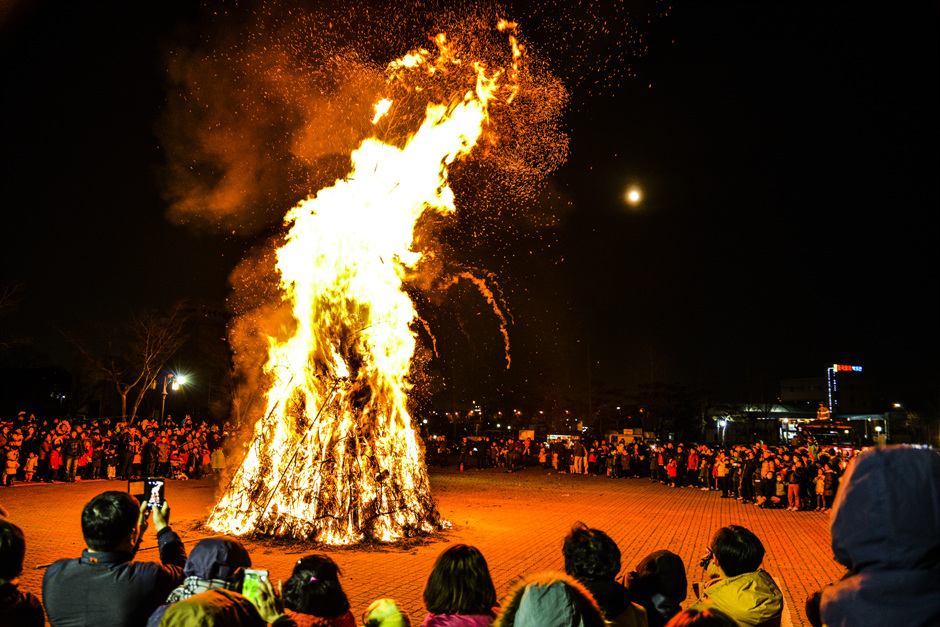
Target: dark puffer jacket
(886, 531)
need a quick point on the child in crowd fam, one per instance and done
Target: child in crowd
(313, 595)
(29, 469)
(705, 474)
(820, 483)
(111, 460)
(12, 465)
(218, 461)
(55, 460)
(672, 470)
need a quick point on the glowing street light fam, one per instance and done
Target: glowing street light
(633, 196)
(175, 382)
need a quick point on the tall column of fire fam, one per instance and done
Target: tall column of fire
(335, 457)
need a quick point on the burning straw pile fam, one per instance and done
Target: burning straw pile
(335, 458)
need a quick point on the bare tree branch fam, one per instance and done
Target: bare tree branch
(152, 339)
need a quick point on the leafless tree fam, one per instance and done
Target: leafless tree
(133, 362)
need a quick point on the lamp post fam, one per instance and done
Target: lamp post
(177, 381)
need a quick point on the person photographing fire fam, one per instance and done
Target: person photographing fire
(105, 586)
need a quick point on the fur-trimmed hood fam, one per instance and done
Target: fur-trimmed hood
(549, 599)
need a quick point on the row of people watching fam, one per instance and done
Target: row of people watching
(56, 450)
(888, 539)
(796, 478)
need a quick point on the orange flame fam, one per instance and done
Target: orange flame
(335, 457)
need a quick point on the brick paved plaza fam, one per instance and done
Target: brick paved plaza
(517, 520)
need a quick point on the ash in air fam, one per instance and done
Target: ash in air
(330, 351)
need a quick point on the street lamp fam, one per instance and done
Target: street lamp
(177, 381)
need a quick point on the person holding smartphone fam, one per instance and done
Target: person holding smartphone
(261, 606)
(106, 586)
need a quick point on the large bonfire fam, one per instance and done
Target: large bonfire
(334, 457)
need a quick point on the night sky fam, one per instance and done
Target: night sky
(788, 155)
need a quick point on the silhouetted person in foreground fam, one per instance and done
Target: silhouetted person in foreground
(22, 609)
(659, 584)
(886, 532)
(105, 586)
(593, 558)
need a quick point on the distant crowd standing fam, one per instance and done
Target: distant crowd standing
(796, 478)
(57, 450)
(888, 539)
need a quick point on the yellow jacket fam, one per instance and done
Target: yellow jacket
(752, 599)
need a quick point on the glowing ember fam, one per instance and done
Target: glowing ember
(335, 457)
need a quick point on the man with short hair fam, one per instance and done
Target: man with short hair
(593, 558)
(738, 586)
(105, 587)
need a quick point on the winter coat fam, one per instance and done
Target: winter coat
(213, 563)
(109, 588)
(456, 620)
(309, 620)
(722, 468)
(217, 608)
(12, 461)
(886, 531)
(830, 481)
(22, 609)
(752, 599)
(616, 603)
(73, 447)
(549, 600)
(659, 584)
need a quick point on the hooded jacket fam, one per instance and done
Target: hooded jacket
(549, 600)
(752, 599)
(218, 608)
(886, 531)
(213, 563)
(659, 584)
(616, 604)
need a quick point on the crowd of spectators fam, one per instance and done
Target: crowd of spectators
(796, 478)
(895, 558)
(63, 450)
